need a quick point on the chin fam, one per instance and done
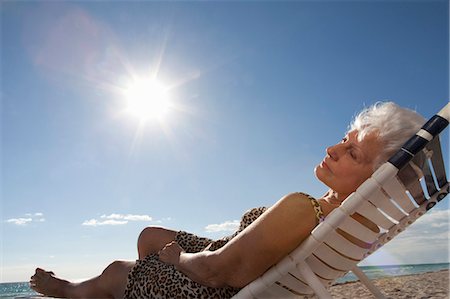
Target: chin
(316, 169)
(322, 177)
(318, 172)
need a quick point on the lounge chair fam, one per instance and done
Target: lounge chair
(398, 193)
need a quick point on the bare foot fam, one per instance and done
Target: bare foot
(47, 284)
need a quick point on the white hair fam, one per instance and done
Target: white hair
(393, 125)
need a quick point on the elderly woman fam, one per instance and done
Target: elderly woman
(178, 264)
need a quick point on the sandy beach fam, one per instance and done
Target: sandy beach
(425, 285)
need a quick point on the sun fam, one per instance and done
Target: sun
(147, 99)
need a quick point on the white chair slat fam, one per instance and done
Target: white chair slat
(333, 259)
(381, 201)
(395, 189)
(359, 231)
(277, 291)
(322, 269)
(437, 161)
(295, 283)
(369, 211)
(277, 271)
(256, 287)
(297, 273)
(416, 191)
(429, 181)
(344, 246)
(410, 180)
(244, 294)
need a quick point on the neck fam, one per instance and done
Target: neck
(334, 198)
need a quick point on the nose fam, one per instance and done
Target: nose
(334, 151)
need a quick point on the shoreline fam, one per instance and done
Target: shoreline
(388, 277)
(434, 284)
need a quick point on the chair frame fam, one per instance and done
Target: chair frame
(298, 268)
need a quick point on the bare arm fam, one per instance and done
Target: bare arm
(265, 242)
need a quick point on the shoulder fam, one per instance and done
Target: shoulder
(296, 199)
(299, 195)
(293, 206)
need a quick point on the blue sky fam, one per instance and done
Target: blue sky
(259, 90)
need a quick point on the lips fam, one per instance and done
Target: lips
(325, 165)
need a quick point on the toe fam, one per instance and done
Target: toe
(41, 274)
(38, 272)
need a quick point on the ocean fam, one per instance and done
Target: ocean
(20, 289)
(374, 272)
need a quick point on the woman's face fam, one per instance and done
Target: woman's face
(349, 163)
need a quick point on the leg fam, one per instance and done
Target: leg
(110, 284)
(153, 239)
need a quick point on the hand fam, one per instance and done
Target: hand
(170, 254)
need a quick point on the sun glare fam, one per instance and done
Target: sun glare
(147, 100)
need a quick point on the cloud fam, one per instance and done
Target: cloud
(425, 241)
(19, 221)
(227, 226)
(116, 219)
(434, 220)
(94, 222)
(28, 218)
(432, 227)
(128, 217)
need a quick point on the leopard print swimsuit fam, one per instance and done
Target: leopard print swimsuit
(151, 278)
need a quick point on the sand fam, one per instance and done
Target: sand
(425, 285)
